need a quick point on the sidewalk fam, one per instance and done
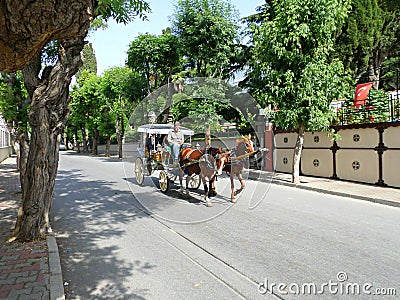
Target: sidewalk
(27, 270)
(368, 192)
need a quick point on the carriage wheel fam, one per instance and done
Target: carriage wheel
(139, 171)
(194, 182)
(163, 180)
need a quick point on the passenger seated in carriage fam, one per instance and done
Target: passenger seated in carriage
(175, 140)
(151, 143)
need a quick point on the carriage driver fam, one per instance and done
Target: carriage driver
(175, 139)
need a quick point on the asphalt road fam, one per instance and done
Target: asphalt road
(118, 240)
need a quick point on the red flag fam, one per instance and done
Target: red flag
(362, 91)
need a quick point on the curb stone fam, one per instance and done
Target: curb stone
(56, 284)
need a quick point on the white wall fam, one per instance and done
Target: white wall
(356, 157)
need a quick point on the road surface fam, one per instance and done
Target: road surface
(118, 240)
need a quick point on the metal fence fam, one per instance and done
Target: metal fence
(384, 111)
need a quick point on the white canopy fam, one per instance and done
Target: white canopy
(162, 129)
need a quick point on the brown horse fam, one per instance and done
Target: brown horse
(234, 161)
(203, 163)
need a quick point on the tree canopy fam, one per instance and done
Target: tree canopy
(293, 43)
(156, 57)
(208, 31)
(27, 26)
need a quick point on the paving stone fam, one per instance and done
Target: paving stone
(35, 296)
(4, 295)
(18, 274)
(15, 262)
(26, 279)
(34, 273)
(34, 284)
(43, 277)
(8, 258)
(7, 281)
(10, 287)
(16, 293)
(23, 265)
(39, 289)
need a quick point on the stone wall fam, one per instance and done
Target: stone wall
(367, 153)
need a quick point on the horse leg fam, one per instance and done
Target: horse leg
(212, 192)
(242, 185)
(188, 177)
(180, 181)
(206, 191)
(232, 187)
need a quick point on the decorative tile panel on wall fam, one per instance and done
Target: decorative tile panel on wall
(391, 137)
(285, 140)
(357, 165)
(367, 153)
(283, 160)
(317, 140)
(391, 167)
(317, 162)
(358, 138)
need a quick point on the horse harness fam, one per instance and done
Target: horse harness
(203, 158)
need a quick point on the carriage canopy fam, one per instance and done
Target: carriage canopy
(162, 129)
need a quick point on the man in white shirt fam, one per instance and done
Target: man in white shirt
(175, 139)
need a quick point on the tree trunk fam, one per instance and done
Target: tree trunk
(23, 155)
(95, 142)
(47, 117)
(120, 153)
(297, 155)
(108, 145)
(76, 143)
(84, 138)
(208, 136)
(373, 76)
(119, 139)
(171, 92)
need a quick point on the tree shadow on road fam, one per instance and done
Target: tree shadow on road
(86, 214)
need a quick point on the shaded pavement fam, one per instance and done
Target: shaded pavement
(25, 270)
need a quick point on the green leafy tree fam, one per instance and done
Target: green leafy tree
(368, 38)
(156, 57)
(209, 34)
(390, 46)
(375, 110)
(14, 107)
(48, 88)
(88, 104)
(89, 61)
(208, 31)
(75, 124)
(360, 35)
(121, 88)
(293, 43)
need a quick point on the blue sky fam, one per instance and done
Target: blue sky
(110, 45)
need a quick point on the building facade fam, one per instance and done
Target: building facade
(5, 140)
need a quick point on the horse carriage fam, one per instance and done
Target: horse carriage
(155, 155)
(197, 164)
